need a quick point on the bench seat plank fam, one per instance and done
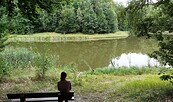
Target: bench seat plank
(46, 96)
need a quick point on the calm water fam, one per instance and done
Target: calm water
(134, 59)
(92, 54)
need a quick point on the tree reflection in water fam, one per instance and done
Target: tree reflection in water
(134, 59)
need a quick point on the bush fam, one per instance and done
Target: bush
(43, 63)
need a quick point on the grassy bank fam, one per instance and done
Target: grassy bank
(100, 85)
(56, 37)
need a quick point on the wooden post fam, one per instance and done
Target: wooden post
(22, 98)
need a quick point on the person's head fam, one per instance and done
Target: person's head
(63, 75)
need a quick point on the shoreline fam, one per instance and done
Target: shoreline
(56, 37)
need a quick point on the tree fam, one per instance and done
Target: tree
(68, 21)
(89, 18)
(152, 16)
(155, 22)
(121, 17)
(96, 16)
(29, 7)
(101, 18)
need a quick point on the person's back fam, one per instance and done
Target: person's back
(63, 84)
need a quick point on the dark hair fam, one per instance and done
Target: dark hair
(63, 75)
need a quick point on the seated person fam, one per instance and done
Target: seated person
(63, 84)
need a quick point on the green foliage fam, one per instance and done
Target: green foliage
(165, 52)
(18, 57)
(47, 21)
(122, 17)
(166, 77)
(23, 58)
(75, 74)
(43, 63)
(19, 25)
(68, 22)
(89, 16)
(148, 89)
(124, 71)
(89, 19)
(14, 58)
(143, 20)
(21, 17)
(29, 8)
(16, 24)
(4, 69)
(154, 18)
(146, 18)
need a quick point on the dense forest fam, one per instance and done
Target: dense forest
(89, 16)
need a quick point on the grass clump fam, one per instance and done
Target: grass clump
(23, 58)
(125, 71)
(18, 57)
(149, 89)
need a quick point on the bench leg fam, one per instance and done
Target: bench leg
(22, 99)
(62, 100)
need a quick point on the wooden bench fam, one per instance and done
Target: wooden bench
(46, 96)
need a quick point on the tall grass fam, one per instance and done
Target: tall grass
(18, 57)
(150, 89)
(24, 58)
(125, 71)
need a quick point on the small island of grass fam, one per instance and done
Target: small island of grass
(57, 37)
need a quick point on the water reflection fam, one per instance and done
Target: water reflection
(90, 54)
(134, 59)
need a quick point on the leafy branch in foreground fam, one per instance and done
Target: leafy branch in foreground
(167, 77)
(147, 18)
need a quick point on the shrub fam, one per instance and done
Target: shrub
(43, 63)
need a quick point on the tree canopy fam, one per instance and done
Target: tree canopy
(70, 16)
(29, 7)
(148, 18)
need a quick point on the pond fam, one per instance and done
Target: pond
(134, 60)
(91, 54)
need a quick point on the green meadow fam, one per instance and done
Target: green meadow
(102, 84)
